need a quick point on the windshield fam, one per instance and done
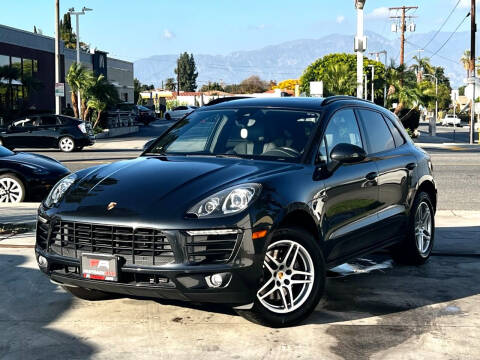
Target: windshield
(5, 152)
(271, 134)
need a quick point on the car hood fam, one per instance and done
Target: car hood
(37, 160)
(158, 188)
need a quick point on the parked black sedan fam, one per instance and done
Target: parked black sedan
(245, 203)
(48, 131)
(27, 176)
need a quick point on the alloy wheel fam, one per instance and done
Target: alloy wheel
(66, 144)
(289, 277)
(10, 190)
(423, 228)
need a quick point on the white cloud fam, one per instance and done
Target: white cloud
(167, 34)
(379, 13)
(340, 19)
(465, 4)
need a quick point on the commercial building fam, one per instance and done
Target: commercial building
(33, 55)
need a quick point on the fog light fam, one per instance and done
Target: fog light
(218, 280)
(42, 262)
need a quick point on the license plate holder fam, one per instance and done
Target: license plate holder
(99, 267)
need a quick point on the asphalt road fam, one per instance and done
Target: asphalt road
(457, 170)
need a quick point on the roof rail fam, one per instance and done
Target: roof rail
(334, 98)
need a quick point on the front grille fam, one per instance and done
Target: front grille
(42, 234)
(211, 249)
(136, 246)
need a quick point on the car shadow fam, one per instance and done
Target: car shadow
(29, 304)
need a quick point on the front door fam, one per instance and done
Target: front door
(351, 193)
(395, 165)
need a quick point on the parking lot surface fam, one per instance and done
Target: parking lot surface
(400, 312)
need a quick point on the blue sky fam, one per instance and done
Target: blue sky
(141, 28)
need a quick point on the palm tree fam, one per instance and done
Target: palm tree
(338, 79)
(465, 60)
(422, 66)
(76, 78)
(98, 95)
(406, 95)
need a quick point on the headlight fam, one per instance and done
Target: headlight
(59, 190)
(226, 202)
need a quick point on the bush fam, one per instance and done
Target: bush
(410, 118)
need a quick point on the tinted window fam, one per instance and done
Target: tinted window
(250, 132)
(342, 128)
(180, 108)
(48, 121)
(379, 136)
(27, 122)
(399, 140)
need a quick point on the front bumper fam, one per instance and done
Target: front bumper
(181, 278)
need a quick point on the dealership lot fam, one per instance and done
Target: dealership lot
(398, 312)
(401, 312)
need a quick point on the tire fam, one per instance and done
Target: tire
(66, 144)
(87, 294)
(12, 189)
(271, 304)
(168, 117)
(417, 246)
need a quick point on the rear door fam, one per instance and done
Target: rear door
(351, 194)
(395, 163)
(48, 130)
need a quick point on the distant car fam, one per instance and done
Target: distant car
(179, 112)
(145, 115)
(27, 176)
(48, 131)
(451, 119)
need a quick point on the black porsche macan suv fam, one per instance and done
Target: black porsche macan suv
(245, 203)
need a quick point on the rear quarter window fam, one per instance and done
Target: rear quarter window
(377, 131)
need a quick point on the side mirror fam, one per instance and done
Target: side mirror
(345, 154)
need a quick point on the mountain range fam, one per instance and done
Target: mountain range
(288, 60)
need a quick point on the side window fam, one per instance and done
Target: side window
(342, 128)
(399, 140)
(180, 108)
(48, 121)
(379, 136)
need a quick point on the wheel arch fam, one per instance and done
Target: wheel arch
(428, 185)
(301, 217)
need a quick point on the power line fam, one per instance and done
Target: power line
(431, 52)
(441, 27)
(451, 35)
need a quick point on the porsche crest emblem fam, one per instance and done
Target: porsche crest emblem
(111, 205)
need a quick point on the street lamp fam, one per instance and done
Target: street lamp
(433, 127)
(77, 18)
(360, 46)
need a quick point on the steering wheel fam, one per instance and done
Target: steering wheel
(283, 151)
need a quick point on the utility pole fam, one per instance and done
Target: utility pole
(360, 46)
(473, 30)
(403, 27)
(366, 87)
(57, 54)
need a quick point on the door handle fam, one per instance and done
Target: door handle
(371, 176)
(411, 166)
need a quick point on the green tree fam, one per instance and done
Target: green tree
(99, 94)
(253, 84)
(212, 86)
(138, 87)
(77, 77)
(422, 66)
(465, 61)
(187, 72)
(321, 70)
(66, 32)
(170, 84)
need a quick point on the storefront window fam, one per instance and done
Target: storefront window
(17, 63)
(27, 67)
(35, 66)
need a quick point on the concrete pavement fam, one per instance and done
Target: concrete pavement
(402, 312)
